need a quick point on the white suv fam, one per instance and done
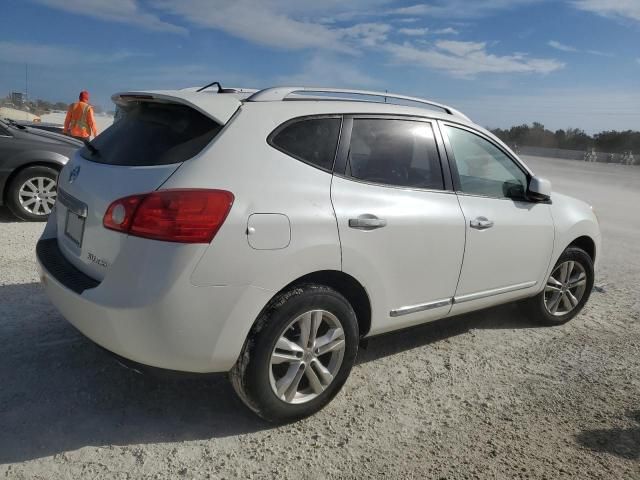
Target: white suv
(265, 233)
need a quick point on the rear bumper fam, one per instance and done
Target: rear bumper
(146, 309)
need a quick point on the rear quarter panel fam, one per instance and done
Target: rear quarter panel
(263, 181)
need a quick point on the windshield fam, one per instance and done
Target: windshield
(151, 133)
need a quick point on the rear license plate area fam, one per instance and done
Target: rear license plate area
(74, 228)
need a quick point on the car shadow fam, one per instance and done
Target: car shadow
(503, 317)
(61, 392)
(622, 442)
(7, 217)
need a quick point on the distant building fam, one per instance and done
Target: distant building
(17, 98)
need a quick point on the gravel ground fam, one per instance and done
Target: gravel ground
(487, 395)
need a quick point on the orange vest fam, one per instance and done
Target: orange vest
(79, 119)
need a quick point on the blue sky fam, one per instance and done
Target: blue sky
(565, 63)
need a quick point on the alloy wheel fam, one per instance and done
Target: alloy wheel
(38, 195)
(565, 288)
(307, 356)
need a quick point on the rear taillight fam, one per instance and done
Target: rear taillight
(186, 216)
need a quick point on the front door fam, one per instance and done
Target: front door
(401, 232)
(509, 239)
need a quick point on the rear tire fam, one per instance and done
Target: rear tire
(32, 193)
(286, 371)
(567, 289)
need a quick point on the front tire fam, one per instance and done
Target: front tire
(298, 355)
(567, 289)
(32, 193)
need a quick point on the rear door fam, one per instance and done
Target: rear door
(509, 239)
(401, 227)
(135, 155)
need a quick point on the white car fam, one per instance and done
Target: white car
(265, 233)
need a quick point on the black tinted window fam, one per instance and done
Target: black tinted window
(153, 134)
(313, 140)
(395, 152)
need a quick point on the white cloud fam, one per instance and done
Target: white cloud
(624, 9)
(561, 46)
(366, 34)
(446, 31)
(121, 11)
(571, 49)
(56, 55)
(320, 26)
(286, 24)
(421, 9)
(413, 32)
(324, 70)
(420, 32)
(600, 53)
(467, 59)
(460, 48)
(460, 8)
(257, 22)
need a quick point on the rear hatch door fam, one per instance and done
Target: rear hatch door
(155, 135)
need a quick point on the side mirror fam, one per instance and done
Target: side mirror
(539, 189)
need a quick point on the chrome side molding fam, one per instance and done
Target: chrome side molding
(420, 307)
(495, 291)
(461, 299)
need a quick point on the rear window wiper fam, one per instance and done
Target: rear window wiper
(90, 147)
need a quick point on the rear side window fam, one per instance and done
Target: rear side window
(395, 152)
(312, 140)
(153, 134)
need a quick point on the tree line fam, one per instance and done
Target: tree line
(535, 135)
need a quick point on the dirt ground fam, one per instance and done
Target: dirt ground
(487, 395)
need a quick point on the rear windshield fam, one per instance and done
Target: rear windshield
(149, 133)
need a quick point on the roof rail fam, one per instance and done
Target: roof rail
(281, 93)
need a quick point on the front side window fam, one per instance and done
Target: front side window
(312, 140)
(394, 152)
(483, 168)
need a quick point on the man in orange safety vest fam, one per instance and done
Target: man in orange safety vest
(79, 122)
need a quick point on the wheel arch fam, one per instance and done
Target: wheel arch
(587, 244)
(347, 286)
(14, 173)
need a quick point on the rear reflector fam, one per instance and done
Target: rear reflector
(185, 216)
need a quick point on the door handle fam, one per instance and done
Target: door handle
(367, 222)
(481, 223)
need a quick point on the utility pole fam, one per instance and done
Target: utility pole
(26, 82)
